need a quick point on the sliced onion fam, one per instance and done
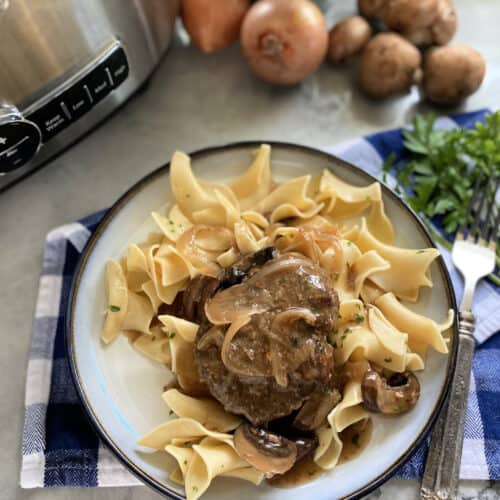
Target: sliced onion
(292, 315)
(201, 245)
(230, 334)
(247, 299)
(214, 336)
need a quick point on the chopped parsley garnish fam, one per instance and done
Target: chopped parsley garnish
(172, 335)
(295, 342)
(355, 439)
(349, 243)
(359, 318)
(388, 360)
(334, 345)
(195, 488)
(185, 462)
(335, 276)
(347, 330)
(420, 251)
(114, 309)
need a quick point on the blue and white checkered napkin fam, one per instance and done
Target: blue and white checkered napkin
(61, 449)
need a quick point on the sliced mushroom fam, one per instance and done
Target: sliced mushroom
(200, 289)
(237, 272)
(267, 452)
(394, 395)
(316, 409)
(305, 445)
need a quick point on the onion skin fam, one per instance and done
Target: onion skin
(348, 37)
(389, 64)
(213, 24)
(452, 73)
(284, 41)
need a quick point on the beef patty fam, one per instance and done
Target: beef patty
(276, 353)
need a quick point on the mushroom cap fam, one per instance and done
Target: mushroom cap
(388, 65)
(452, 73)
(423, 22)
(445, 25)
(406, 16)
(264, 450)
(392, 396)
(348, 37)
(371, 8)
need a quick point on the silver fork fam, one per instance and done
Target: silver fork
(473, 253)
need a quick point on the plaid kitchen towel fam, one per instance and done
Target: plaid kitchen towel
(60, 447)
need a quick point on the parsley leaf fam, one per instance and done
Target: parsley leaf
(443, 166)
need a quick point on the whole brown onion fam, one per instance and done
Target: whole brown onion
(213, 24)
(284, 41)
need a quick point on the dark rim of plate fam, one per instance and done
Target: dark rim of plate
(125, 198)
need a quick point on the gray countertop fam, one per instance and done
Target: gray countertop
(192, 101)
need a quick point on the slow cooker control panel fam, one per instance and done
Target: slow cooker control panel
(20, 139)
(21, 136)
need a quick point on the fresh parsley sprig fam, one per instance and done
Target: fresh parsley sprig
(440, 176)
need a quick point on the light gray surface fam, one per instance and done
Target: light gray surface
(193, 101)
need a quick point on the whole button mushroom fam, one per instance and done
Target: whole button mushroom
(397, 394)
(389, 65)
(423, 22)
(452, 73)
(348, 37)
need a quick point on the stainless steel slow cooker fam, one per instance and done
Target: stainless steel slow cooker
(67, 64)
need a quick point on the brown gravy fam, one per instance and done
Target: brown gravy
(302, 472)
(354, 439)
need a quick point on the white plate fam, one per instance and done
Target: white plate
(121, 389)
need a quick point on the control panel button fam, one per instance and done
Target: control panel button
(98, 83)
(118, 66)
(19, 142)
(51, 119)
(77, 101)
(69, 103)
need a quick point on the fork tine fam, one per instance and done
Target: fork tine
(477, 219)
(461, 233)
(490, 215)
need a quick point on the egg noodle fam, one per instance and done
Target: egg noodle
(210, 227)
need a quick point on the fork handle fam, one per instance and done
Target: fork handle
(442, 467)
